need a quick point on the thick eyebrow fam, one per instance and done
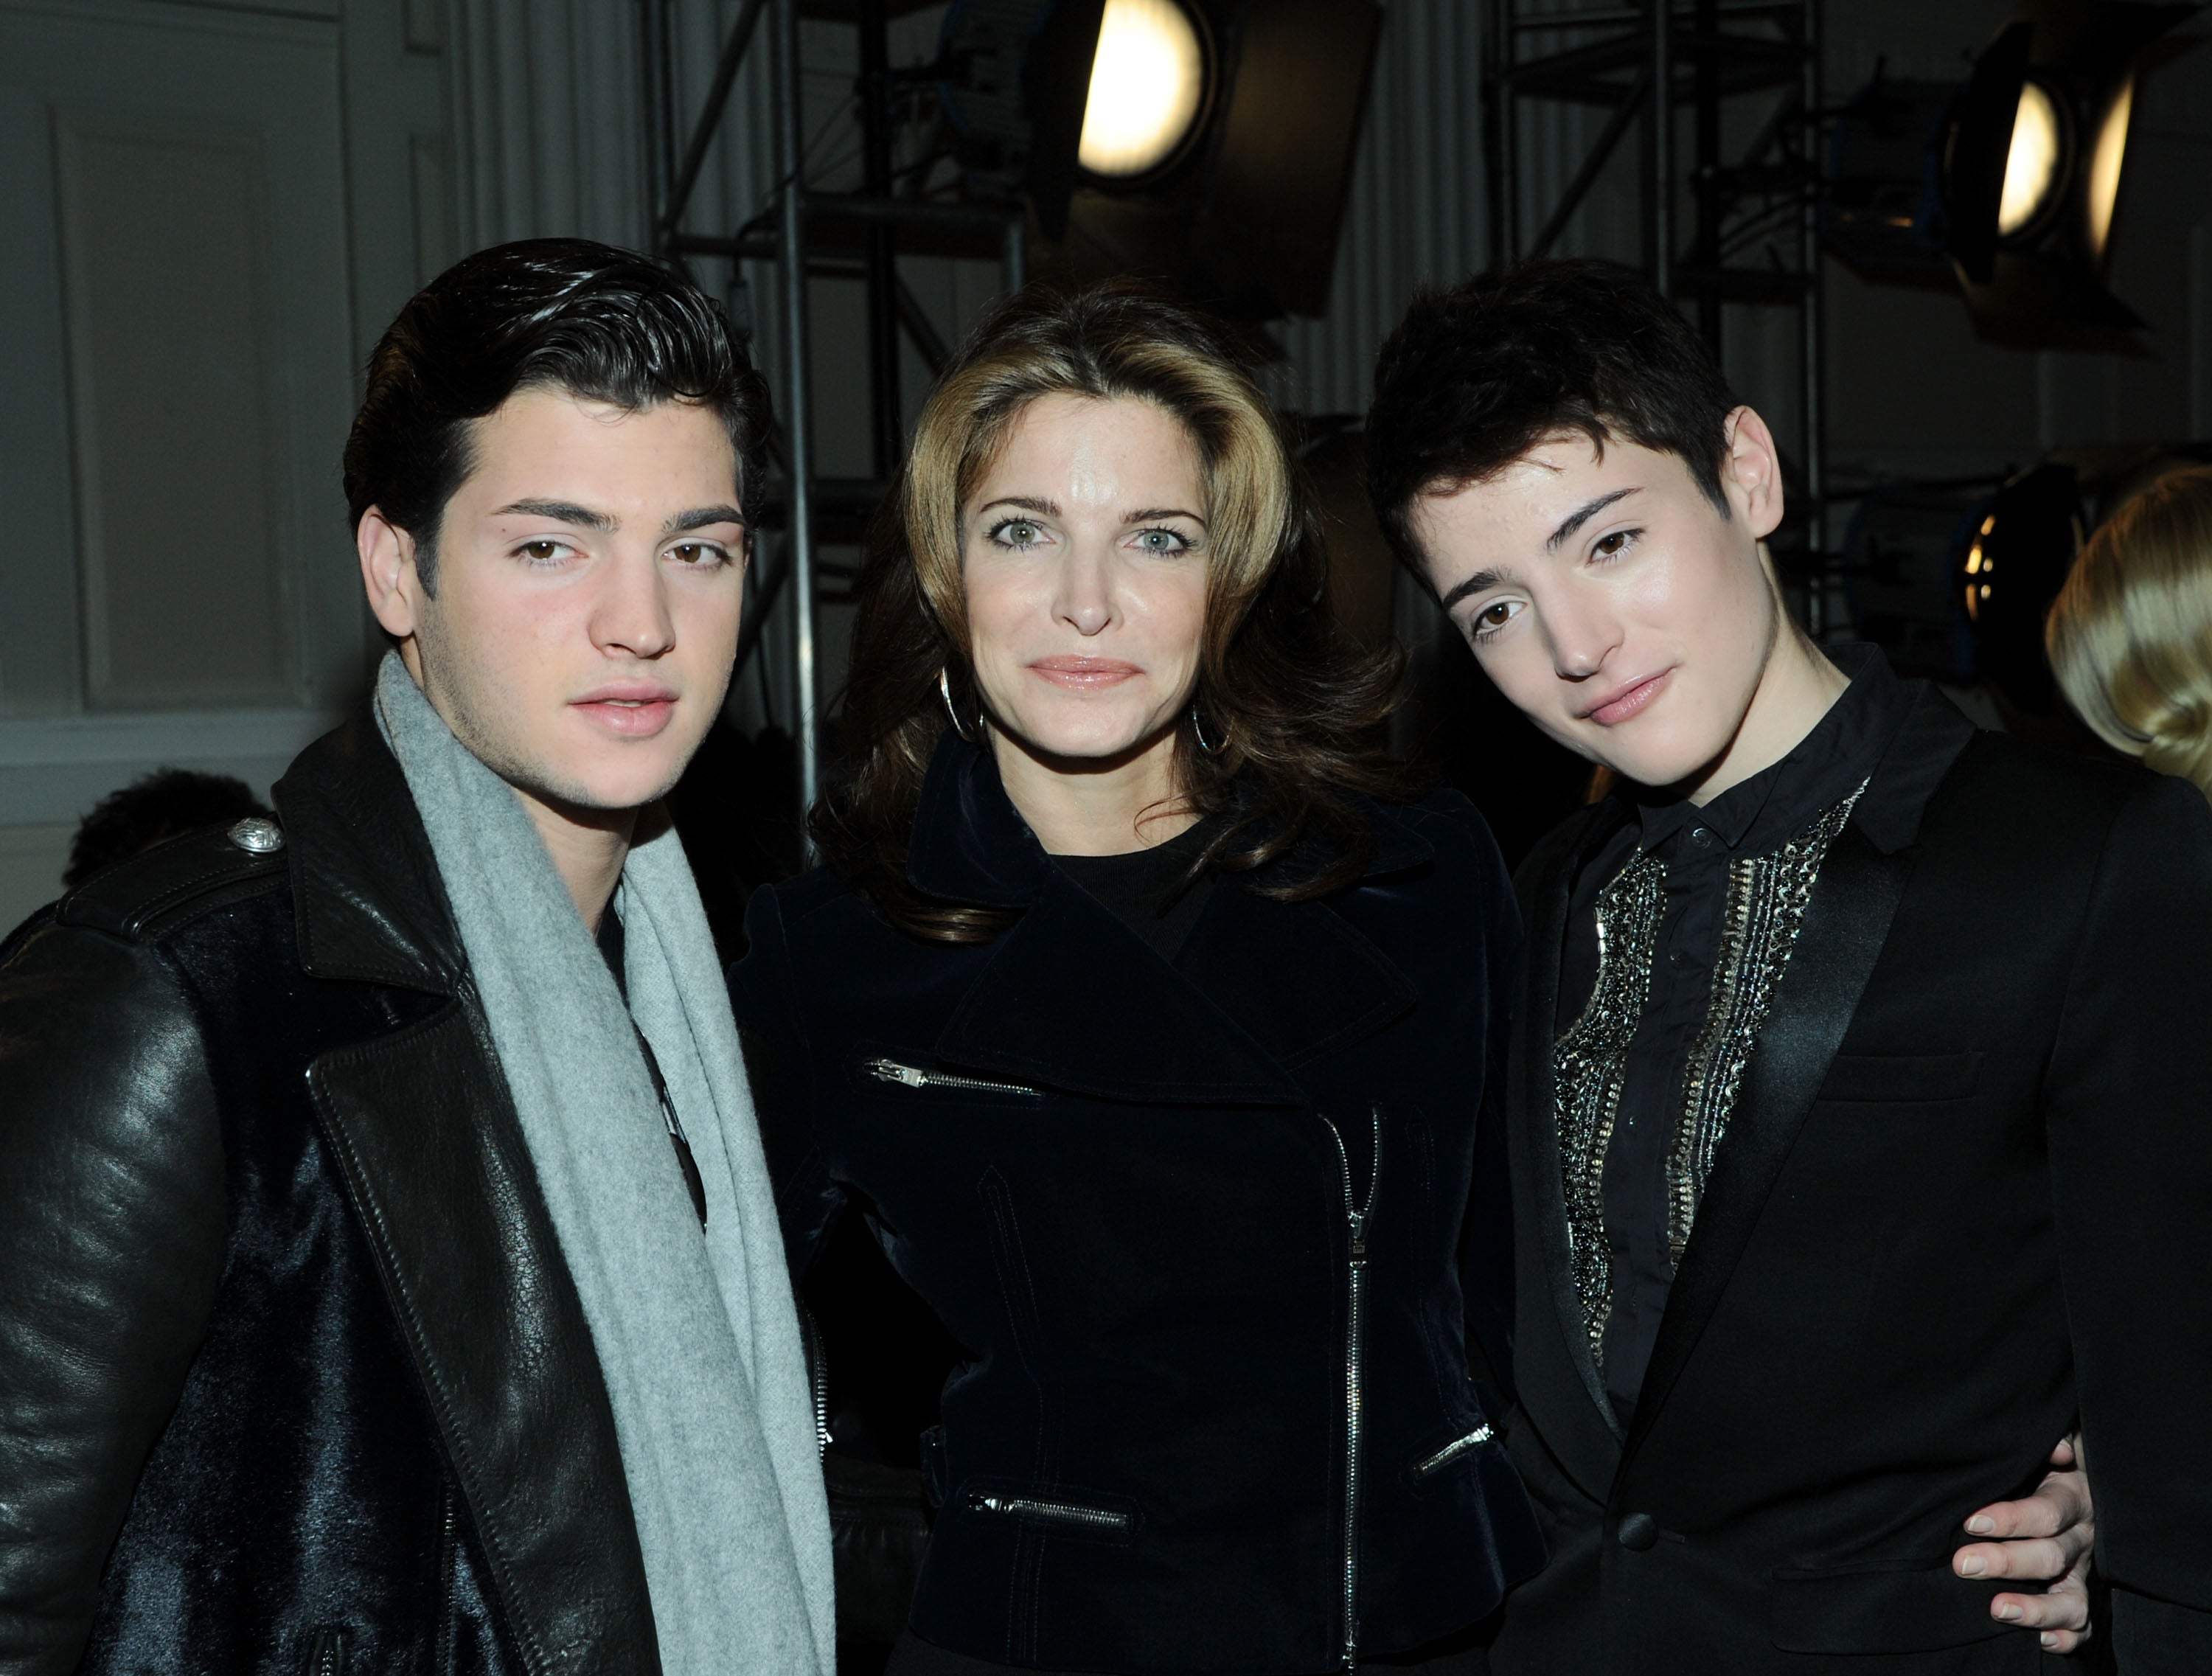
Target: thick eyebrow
(1025, 503)
(1153, 514)
(561, 511)
(700, 518)
(1581, 515)
(1476, 584)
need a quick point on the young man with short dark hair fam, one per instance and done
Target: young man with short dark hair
(1858, 1110)
(389, 1277)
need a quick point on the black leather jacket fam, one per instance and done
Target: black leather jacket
(1213, 1232)
(292, 1375)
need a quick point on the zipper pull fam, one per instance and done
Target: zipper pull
(1360, 1243)
(889, 1070)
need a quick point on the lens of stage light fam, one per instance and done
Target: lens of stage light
(2032, 164)
(1145, 86)
(2105, 167)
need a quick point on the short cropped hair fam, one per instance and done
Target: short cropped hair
(2130, 634)
(1477, 375)
(601, 324)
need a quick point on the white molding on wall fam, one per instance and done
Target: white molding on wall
(55, 769)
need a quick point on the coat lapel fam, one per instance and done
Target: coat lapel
(1072, 999)
(440, 1177)
(1582, 1432)
(434, 1161)
(1846, 923)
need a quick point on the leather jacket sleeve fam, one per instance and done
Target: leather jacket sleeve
(112, 1225)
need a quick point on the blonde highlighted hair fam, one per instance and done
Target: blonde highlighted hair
(1291, 707)
(2130, 634)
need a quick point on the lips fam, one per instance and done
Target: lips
(1624, 701)
(1085, 674)
(629, 709)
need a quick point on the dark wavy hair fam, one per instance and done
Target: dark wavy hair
(1476, 374)
(602, 323)
(1295, 705)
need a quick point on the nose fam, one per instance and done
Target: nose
(1584, 633)
(1085, 596)
(631, 613)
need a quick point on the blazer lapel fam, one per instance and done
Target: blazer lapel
(1846, 923)
(1584, 1432)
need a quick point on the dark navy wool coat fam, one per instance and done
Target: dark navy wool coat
(1221, 1237)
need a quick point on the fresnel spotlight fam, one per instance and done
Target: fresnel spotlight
(1206, 143)
(2007, 184)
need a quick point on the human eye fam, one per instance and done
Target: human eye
(700, 554)
(1164, 542)
(544, 553)
(1016, 534)
(1491, 618)
(1614, 542)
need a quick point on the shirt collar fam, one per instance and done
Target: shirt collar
(1826, 766)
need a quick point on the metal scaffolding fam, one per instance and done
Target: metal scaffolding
(814, 233)
(1698, 56)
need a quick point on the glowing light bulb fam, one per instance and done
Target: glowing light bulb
(1146, 84)
(2105, 167)
(2032, 162)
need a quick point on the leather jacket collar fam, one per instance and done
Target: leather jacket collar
(370, 905)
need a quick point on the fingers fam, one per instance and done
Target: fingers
(2060, 1504)
(2067, 1454)
(2028, 1559)
(2060, 1618)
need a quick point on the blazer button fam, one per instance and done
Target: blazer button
(1638, 1531)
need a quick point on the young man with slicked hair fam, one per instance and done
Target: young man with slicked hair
(389, 1277)
(1856, 1112)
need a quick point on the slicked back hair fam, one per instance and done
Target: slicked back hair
(600, 324)
(1477, 375)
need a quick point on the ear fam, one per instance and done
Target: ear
(388, 573)
(1750, 473)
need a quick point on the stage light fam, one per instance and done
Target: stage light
(1147, 84)
(2010, 194)
(2105, 166)
(1205, 145)
(2032, 162)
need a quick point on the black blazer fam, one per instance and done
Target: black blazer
(292, 1375)
(1963, 1198)
(1124, 1186)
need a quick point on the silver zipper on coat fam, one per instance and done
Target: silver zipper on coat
(1452, 1450)
(1355, 1216)
(913, 1075)
(1033, 1506)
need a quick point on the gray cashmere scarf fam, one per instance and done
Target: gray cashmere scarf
(696, 1334)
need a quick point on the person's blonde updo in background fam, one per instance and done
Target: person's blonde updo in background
(2130, 634)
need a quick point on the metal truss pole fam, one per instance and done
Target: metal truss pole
(798, 403)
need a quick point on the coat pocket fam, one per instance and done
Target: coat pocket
(1904, 1605)
(1063, 1512)
(1454, 1452)
(1901, 1078)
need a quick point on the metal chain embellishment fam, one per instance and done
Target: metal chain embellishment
(1589, 1066)
(1764, 911)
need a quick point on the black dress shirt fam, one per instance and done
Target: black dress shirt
(1697, 844)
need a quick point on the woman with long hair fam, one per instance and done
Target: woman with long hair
(1155, 1030)
(2130, 634)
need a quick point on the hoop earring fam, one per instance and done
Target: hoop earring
(945, 692)
(1198, 732)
